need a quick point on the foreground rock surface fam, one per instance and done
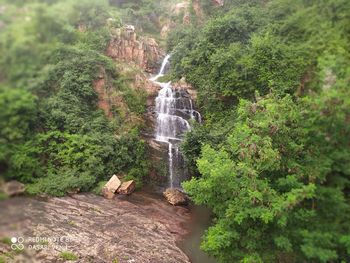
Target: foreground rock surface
(141, 228)
(175, 196)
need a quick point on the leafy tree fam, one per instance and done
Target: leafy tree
(17, 115)
(272, 156)
(272, 178)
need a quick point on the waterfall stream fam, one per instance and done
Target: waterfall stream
(174, 109)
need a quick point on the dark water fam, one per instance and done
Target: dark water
(200, 221)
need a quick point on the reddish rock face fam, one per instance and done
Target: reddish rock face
(143, 51)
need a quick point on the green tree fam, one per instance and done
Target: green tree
(275, 186)
(17, 120)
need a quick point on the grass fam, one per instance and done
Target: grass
(5, 256)
(67, 255)
(72, 223)
(9, 255)
(165, 78)
(6, 240)
(3, 196)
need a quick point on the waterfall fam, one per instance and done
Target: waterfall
(174, 108)
(162, 68)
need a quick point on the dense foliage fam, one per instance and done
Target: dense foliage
(272, 159)
(54, 137)
(148, 16)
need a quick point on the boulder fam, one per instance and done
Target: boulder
(175, 196)
(111, 187)
(13, 188)
(107, 194)
(127, 188)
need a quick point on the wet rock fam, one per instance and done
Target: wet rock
(13, 188)
(175, 196)
(127, 188)
(111, 187)
(183, 85)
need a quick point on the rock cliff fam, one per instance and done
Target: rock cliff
(142, 51)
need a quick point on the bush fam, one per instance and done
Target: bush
(137, 175)
(98, 188)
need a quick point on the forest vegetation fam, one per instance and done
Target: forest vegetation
(272, 157)
(54, 138)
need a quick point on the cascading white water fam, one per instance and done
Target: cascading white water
(162, 68)
(171, 165)
(173, 108)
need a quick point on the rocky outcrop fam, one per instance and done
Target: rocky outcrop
(111, 97)
(175, 196)
(141, 81)
(184, 86)
(107, 96)
(127, 188)
(182, 9)
(166, 28)
(198, 10)
(140, 228)
(127, 46)
(218, 2)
